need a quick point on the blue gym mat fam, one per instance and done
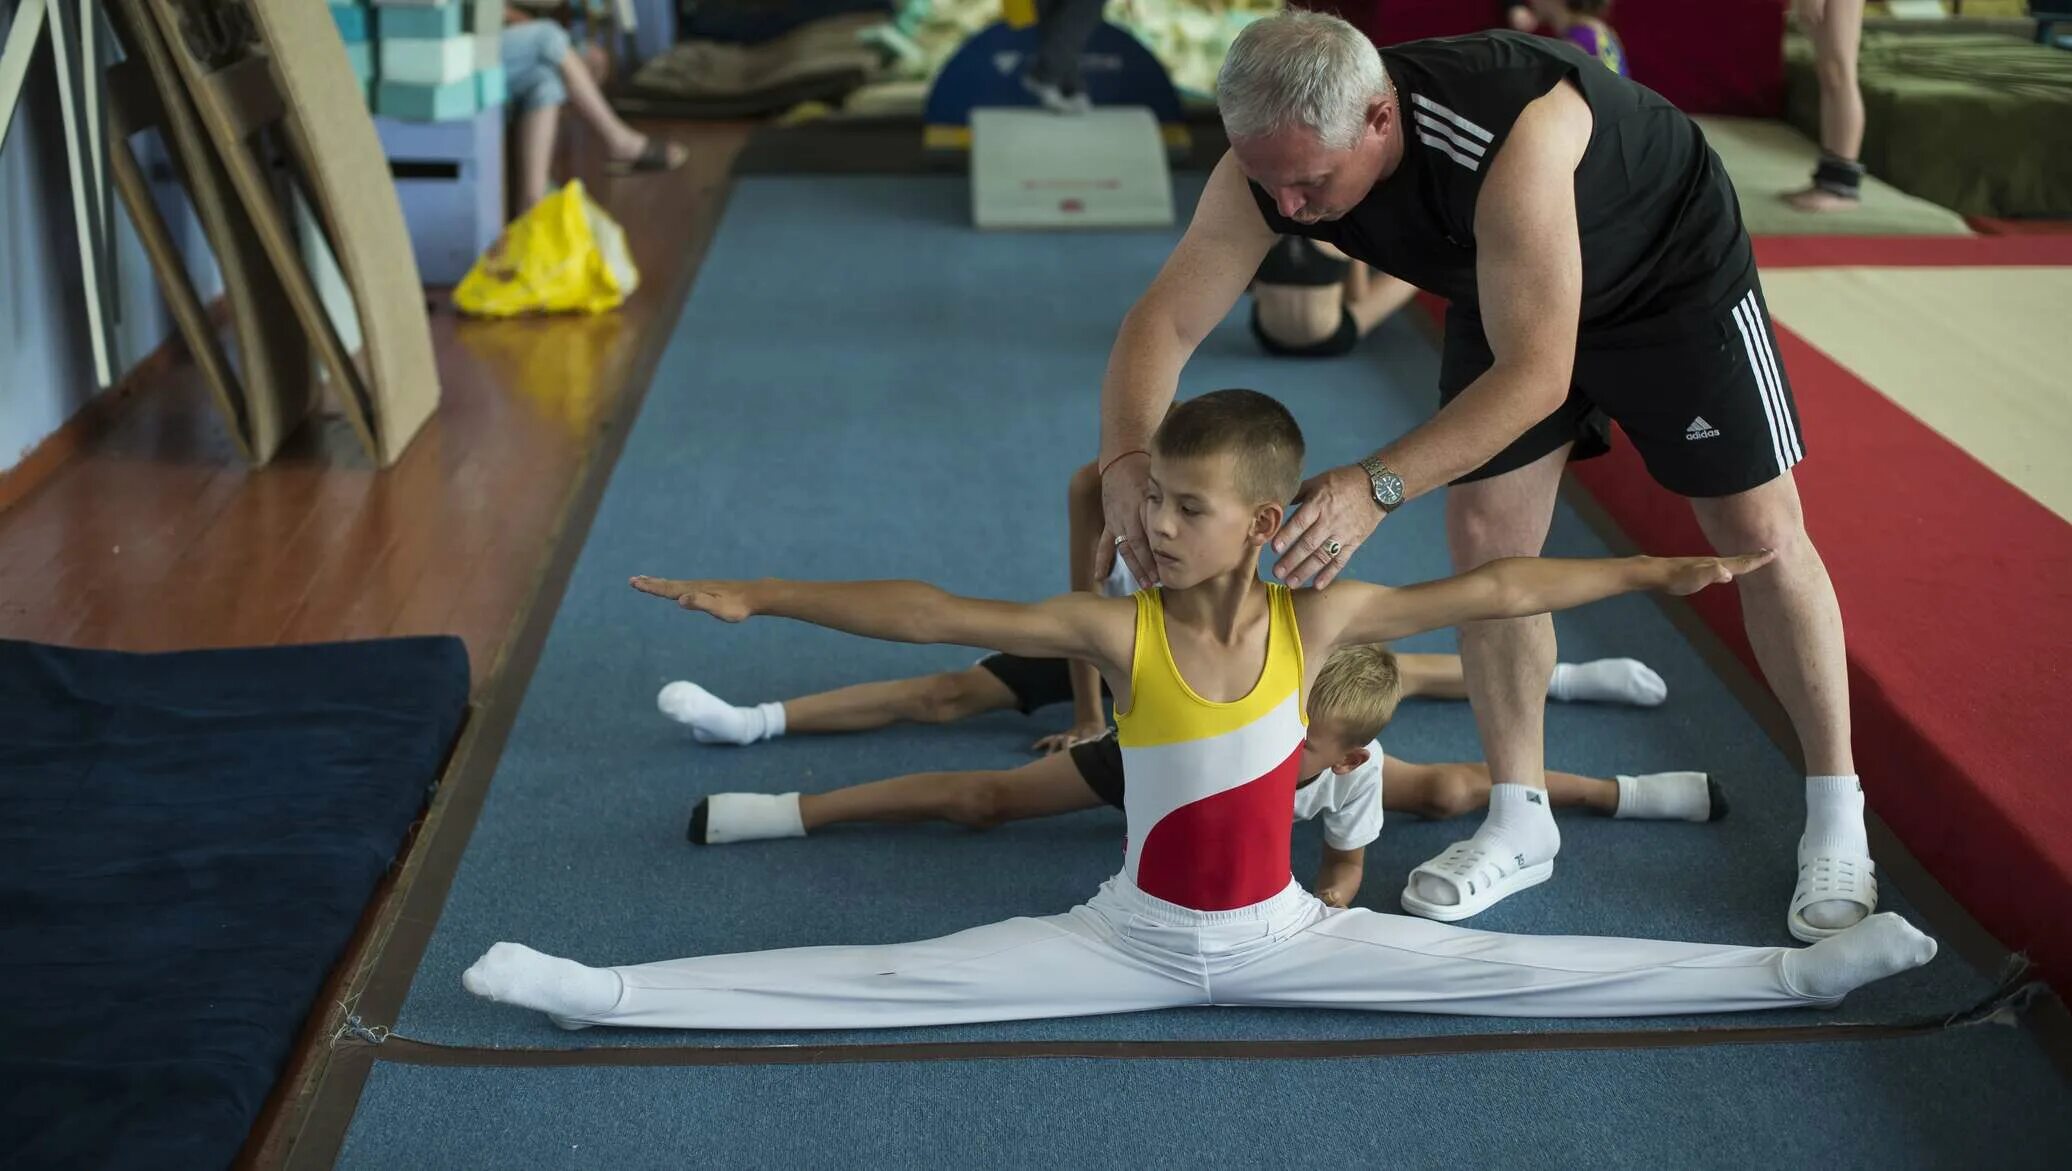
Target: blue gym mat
(862, 386)
(1983, 1097)
(187, 843)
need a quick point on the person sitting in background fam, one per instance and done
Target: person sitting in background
(543, 71)
(1062, 29)
(1580, 22)
(1310, 301)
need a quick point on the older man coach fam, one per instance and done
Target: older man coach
(1591, 248)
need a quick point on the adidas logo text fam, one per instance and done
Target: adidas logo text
(1700, 429)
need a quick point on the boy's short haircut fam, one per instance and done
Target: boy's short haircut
(1357, 691)
(1252, 426)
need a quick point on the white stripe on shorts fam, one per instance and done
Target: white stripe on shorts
(1748, 318)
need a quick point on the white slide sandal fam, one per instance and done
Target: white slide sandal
(1832, 877)
(1479, 875)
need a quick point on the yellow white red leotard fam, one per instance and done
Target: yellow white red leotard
(1211, 794)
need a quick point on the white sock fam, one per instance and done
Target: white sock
(1880, 946)
(511, 973)
(746, 817)
(1520, 825)
(1670, 797)
(1607, 681)
(1834, 828)
(714, 720)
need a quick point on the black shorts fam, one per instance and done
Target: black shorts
(1036, 683)
(1704, 400)
(1100, 766)
(1342, 342)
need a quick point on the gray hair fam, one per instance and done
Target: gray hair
(1300, 69)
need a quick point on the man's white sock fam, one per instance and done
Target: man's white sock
(511, 973)
(1834, 829)
(1519, 826)
(1680, 796)
(714, 720)
(746, 817)
(1607, 681)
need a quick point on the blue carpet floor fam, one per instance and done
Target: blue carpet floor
(1982, 1098)
(863, 386)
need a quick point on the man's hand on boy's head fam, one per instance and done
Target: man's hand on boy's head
(1688, 575)
(1337, 505)
(727, 601)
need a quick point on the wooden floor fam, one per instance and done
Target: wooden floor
(153, 536)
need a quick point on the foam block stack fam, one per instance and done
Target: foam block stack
(439, 107)
(356, 26)
(438, 59)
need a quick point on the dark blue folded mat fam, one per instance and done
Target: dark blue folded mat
(187, 844)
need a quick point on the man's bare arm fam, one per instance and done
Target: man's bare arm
(1201, 280)
(1529, 282)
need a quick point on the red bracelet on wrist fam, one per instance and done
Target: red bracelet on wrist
(1118, 459)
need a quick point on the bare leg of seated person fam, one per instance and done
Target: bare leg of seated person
(544, 73)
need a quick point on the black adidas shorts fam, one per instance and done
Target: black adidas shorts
(1036, 683)
(1706, 403)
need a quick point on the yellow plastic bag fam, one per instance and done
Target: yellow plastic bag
(565, 255)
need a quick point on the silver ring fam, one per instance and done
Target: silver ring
(1331, 548)
(1119, 541)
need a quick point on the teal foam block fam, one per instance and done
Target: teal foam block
(428, 24)
(490, 89)
(361, 54)
(355, 23)
(426, 103)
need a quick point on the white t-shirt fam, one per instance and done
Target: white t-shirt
(1350, 804)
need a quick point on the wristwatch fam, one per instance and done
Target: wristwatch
(1388, 486)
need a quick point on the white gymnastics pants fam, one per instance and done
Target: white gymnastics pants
(1125, 951)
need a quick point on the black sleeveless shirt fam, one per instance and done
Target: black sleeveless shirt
(1660, 224)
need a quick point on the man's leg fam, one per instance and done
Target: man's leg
(1794, 625)
(941, 698)
(1507, 665)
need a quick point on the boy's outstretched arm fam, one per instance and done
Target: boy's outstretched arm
(1511, 587)
(1069, 626)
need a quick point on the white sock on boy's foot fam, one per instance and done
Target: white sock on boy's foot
(1880, 946)
(1834, 828)
(1519, 826)
(1679, 796)
(511, 973)
(746, 817)
(1607, 681)
(714, 720)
